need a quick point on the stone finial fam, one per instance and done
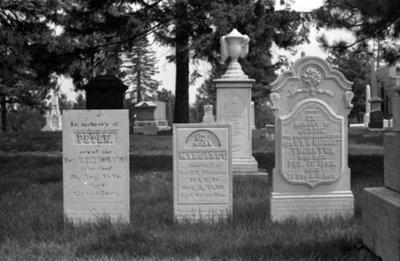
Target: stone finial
(234, 45)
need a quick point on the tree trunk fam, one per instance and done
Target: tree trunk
(3, 113)
(181, 113)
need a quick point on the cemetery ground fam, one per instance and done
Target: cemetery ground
(32, 226)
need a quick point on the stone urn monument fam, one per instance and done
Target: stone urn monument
(233, 103)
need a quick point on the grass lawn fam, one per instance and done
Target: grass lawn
(31, 210)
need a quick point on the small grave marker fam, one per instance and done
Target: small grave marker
(96, 165)
(202, 171)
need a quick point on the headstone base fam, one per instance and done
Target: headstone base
(380, 222)
(202, 213)
(162, 125)
(116, 213)
(285, 205)
(246, 167)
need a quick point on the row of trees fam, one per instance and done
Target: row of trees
(82, 38)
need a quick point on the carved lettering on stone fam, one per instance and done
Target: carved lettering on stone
(235, 112)
(312, 144)
(202, 171)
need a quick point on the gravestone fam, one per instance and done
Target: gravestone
(105, 92)
(202, 171)
(367, 105)
(208, 114)
(152, 113)
(234, 103)
(311, 177)
(252, 116)
(381, 205)
(375, 120)
(53, 115)
(96, 165)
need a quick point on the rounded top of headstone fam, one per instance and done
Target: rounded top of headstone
(105, 82)
(376, 99)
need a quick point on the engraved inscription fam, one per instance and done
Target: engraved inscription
(96, 164)
(202, 139)
(95, 137)
(202, 175)
(235, 112)
(312, 145)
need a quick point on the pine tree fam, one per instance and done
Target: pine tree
(139, 68)
(366, 19)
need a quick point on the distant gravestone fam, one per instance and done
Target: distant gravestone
(375, 120)
(151, 113)
(208, 114)
(311, 176)
(252, 116)
(202, 171)
(96, 165)
(53, 115)
(105, 92)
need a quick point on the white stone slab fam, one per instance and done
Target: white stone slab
(381, 222)
(202, 171)
(252, 116)
(96, 165)
(233, 106)
(311, 103)
(208, 114)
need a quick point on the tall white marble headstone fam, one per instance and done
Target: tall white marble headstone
(311, 175)
(367, 105)
(208, 114)
(252, 116)
(96, 165)
(234, 102)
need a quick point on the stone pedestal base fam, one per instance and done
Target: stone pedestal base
(285, 205)
(246, 167)
(381, 222)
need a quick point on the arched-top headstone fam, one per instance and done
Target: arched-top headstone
(311, 176)
(311, 77)
(105, 92)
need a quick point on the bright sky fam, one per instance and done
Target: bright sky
(167, 70)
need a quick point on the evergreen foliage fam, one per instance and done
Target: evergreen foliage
(367, 19)
(138, 70)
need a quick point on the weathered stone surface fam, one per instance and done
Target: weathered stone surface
(391, 159)
(202, 171)
(375, 120)
(311, 103)
(381, 222)
(284, 206)
(96, 165)
(233, 106)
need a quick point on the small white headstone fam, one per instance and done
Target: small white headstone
(202, 171)
(208, 114)
(96, 165)
(252, 116)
